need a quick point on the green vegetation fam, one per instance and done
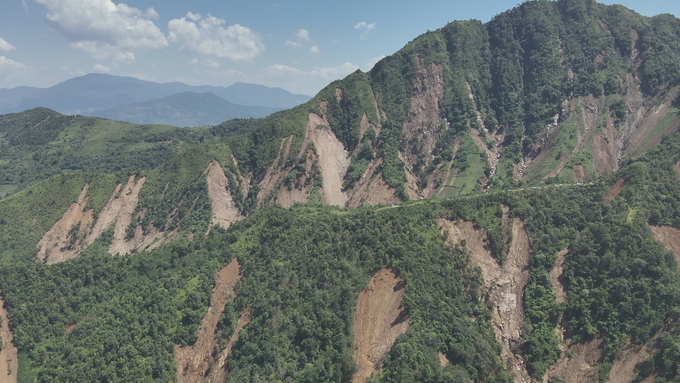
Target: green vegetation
(39, 143)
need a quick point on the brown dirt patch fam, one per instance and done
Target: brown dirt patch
(333, 159)
(364, 125)
(579, 173)
(647, 115)
(606, 149)
(628, 361)
(338, 95)
(55, 246)
(378, 192)
(118, 210)
(224, 210)
(9, 356)
(411, 184)
(443, 360)
(614, 191)
(378, 321)
(505, 285)
(193, 362)
(492, 158)
(274, 172)
(582, 366)
(556, 278)
(442, 174)
(476, 241)
(670, 237)
(221, 371)
(677, 168)
(423, 123)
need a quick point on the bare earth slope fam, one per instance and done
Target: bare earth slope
(9, 359)
(378, 321)
(193, 362)
(505, 285)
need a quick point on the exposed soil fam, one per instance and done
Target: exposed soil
(670, 237)
(363, 127)
(338, 95)
(118, 210)
(628, 361)
(55, 246)
(505, 285)
(274, 172)
(193, 362)
(476, 244)
(378, 192)
(491, 157)
(333, 159)
(69, 328)
(220, 372)
(614, 191)
(9, 357)
(581, 367)
(647, 117)
(441, 174)
(361, 190)
(579, 173)
(224, 210)
(378, 321)
(677, 168)
(423, 123)
(411, 184)
(443, 360)
(556, 278)
(606, 149)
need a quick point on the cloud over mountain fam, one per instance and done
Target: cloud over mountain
(106, 30)
(206, 36)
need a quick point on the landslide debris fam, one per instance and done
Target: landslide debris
(505, 285)
(224, 210)
(193, 362)
(9, 356)
(62, 242)
(378, 321)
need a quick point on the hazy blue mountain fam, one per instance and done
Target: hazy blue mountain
(93, 92)
(185, 109)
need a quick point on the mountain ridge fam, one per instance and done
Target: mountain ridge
(185, 109)
(95, 91)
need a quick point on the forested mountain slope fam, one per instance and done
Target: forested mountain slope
(40, 143)
(227, 278)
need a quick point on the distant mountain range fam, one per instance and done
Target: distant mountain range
(186, 109)
(86, 95)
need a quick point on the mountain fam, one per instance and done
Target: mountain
(94, 92)
(187, 109)
(40, 143)
(493, 202)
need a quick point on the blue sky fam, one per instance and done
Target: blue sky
(298, 45)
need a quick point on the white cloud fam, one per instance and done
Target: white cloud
(5, 46)
(8, 66)
(366, 27)
(211, 63)
(336, 72)
(327, 73)
(371, 63)
(283, 70)
(106, 30)
(303, 35)
(99, 68)
(301, 40)
(206, 36)
(293, 44)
